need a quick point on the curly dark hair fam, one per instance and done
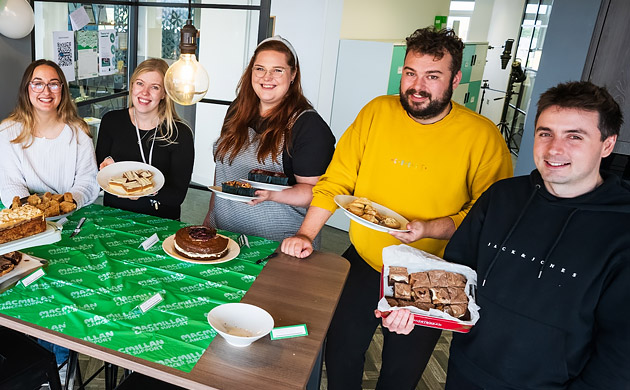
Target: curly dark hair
(584, 95)
(435, 42)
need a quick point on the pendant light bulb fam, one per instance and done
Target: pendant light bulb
(186, 81)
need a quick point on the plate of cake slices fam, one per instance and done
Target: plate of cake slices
(200, 245)
(371, 215)
(265, 186)
(234, 190)
(17, 265)
(130, 179)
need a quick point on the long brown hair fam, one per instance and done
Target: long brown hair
(166, 107)
(23, 112)
(245, 111)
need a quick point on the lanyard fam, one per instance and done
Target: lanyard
(140, 141)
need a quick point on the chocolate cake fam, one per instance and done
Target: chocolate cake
(20, 222)
(200, 243)
(263, 176)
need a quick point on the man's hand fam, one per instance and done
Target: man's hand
(441, 229)
(398, 321)
(298, 246)
(417, 230)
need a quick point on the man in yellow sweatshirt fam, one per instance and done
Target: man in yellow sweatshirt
(425, 157)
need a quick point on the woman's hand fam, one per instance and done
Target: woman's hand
(108, 161)
(298, 246)
(398, 321)
(261, 196)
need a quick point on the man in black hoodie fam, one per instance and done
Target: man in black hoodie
(552, 255)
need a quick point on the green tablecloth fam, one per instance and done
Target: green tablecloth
(95, 281)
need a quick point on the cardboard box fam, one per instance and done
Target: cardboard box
(416, 260)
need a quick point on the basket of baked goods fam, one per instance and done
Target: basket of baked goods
(438, 293)
(54, 206)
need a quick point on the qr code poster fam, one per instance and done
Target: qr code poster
(63, 49)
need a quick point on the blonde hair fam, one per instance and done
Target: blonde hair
(166, 107)
(24, 114)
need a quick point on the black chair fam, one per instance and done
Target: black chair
(136, 381)
(24, 364)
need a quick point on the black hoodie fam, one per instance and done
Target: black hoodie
(554, 287)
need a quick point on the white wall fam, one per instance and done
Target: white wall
(391, 19)
(504, 23)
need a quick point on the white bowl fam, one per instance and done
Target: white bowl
(240, 324)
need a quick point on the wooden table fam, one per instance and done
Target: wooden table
(293, 291)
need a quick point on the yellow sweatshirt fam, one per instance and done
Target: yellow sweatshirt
(420, 171)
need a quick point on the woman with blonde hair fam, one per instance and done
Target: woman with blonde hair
(149, 131)
(44, 144)
(270, 126)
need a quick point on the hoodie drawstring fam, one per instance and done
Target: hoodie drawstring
(520, 216)
(566, 223)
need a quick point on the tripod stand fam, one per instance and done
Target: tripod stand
(517, 75)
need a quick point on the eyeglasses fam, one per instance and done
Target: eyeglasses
(38, 86)
(261, 72)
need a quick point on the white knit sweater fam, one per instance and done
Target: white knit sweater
(64, 164)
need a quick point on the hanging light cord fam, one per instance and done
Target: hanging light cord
(189, 10)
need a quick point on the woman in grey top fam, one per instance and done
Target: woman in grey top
(271, 126)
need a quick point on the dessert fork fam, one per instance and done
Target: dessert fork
(243, 241)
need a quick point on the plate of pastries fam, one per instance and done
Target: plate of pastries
(130, 179)
(54, 206)
(371, 214)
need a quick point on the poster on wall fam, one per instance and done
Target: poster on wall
(87, 54)
(107, 43)
(79, 18)
(63, 47)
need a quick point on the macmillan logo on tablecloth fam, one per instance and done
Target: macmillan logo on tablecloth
(122, 274)
(249, 255)
(62, 283)
(199, 336)
(39, 285)
(17, 303)
(202, 286)
(237, 268)
(235, 296)
(187, 304)
(88, 292)
(248, 278)
(59, 327)
(214, 271)
(177, 266)
(89, 267)
(181, 360)
(93, 236)
(139, 349)
(95, 321)
(151, 230)
(120, 225)
(161, 325)
(126, 316)
(88, 307)
(166, 279)
(125, 299)
(58, 312)
(101, 338)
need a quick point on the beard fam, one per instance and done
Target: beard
(435, 107)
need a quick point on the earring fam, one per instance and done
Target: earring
(292, 82)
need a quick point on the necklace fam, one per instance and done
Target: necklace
(140, 139)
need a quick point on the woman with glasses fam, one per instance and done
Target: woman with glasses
(270, 126)
(149, 131)
(44, 144)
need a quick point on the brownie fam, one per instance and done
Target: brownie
(422, 294)
(402, 291)
(404, 302)
(423, 305)
(438, 278)
(457, 295)
(419, 279)
(440, 295)
(263, 176)
(397, 274)
(391, 301)
(456, 280)
(456, 310)
(238, 188)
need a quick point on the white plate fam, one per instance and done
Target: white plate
(233, 250)
(117, 169)
(51, 235)
(344, 200)
(265, 186)
(225, 195)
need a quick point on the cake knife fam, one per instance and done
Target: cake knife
(78, 228)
